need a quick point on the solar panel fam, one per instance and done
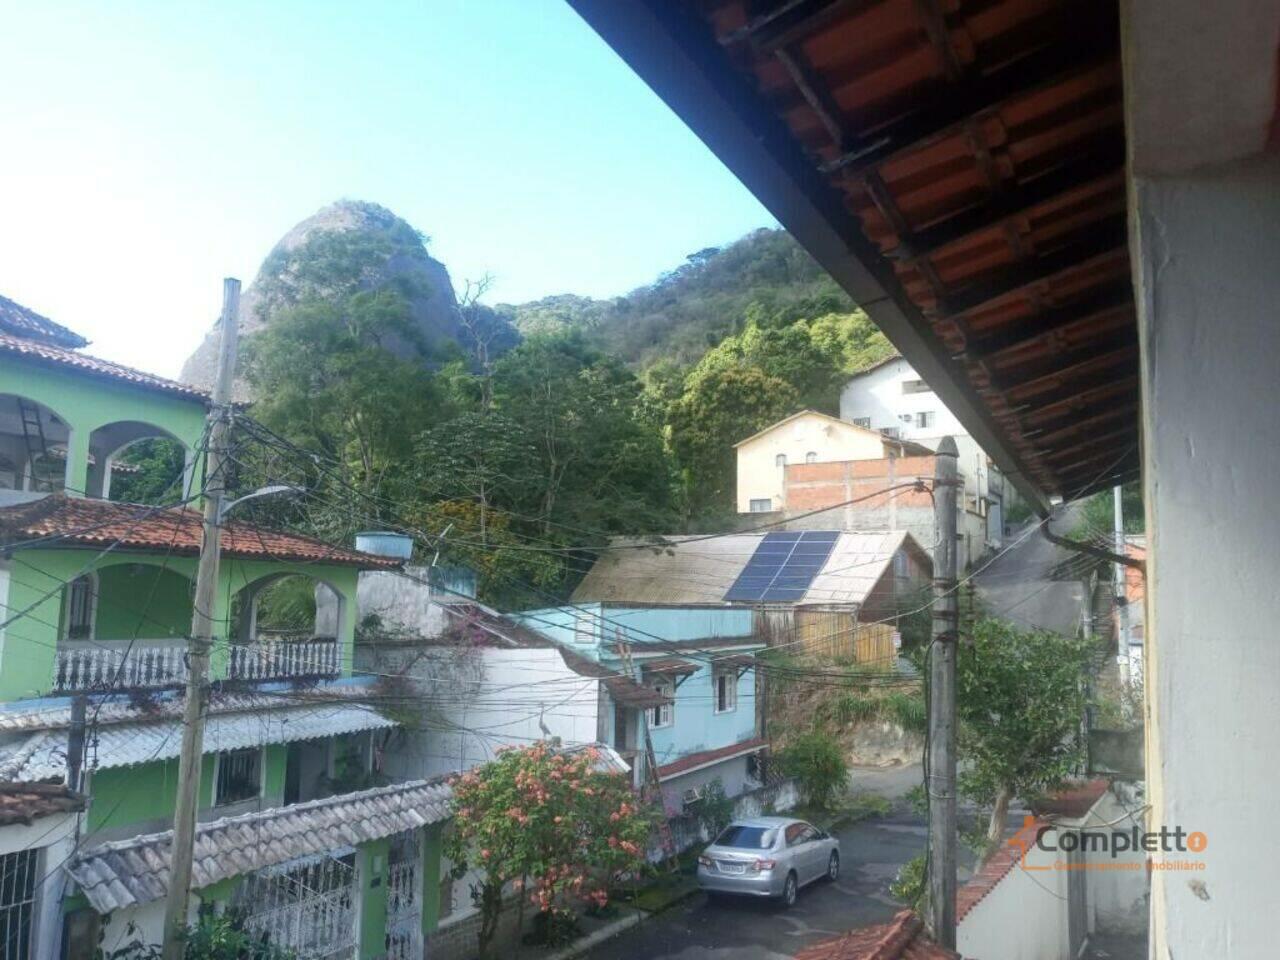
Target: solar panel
(783, 566)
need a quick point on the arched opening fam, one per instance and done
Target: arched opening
(286, 625)
(123, 625)
(33, 445)
(137, 462)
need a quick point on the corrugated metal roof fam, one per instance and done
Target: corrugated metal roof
(136, 871)
(44, 754)
(700, 571)
(47, 714)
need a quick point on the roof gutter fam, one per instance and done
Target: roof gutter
(675, 55)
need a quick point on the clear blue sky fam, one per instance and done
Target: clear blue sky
(151, 148)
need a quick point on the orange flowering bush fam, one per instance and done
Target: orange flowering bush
(548, 824)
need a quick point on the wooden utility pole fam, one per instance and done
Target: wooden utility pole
(941, 772)
(202, 627)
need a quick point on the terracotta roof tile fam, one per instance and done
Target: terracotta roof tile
(24, 322)
(49, 353)
(902, 938)
(691, 761)
(28, 802)
(1074, 801)
(98, 523)
(996, 868)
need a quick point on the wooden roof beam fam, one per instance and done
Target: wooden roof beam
(935, 27)
(1104, 159)
(975, 95)
(1053, 322)
(1105, 236)
(815, 94)
(1109, 356)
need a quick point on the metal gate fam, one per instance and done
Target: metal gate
(404, 898)
(306, 906)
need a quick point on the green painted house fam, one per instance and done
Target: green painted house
(301, 830)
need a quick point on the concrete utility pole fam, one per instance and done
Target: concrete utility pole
(1122, 589)
(941, 782)
(202, 626)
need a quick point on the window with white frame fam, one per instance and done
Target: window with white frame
(663, 715)
(811, 457)
(79, 601)
(862, 422)
(725, 690)
(762, 505)
(925, 419)
(780, 460)
(584, 630)
(239, 776)
(915, 386)
(19, 873)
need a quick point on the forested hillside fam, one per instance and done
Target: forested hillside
(695, 305)
(607, 417)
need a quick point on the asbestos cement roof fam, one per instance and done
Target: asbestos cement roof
(43, 754)
(136, 871)
(690, 570)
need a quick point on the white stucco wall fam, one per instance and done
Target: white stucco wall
(1206, 248)
(759, 475)
(1117, 897)
(878, 395)
(496, 698)
(55, 838)
(1023, 918)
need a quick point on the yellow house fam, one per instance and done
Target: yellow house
(804, 437)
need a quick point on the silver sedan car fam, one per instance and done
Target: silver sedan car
(768, 857)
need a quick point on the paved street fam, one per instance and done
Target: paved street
(871, 851)
(1020, 584)
(748, 930)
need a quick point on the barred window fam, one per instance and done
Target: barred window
(18, 902)
(239, 776)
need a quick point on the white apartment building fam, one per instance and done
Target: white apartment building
(892, 398)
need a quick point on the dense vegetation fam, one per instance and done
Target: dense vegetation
(608, 417)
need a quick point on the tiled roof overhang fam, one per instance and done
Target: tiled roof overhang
(136, 871)
(59, 520)
(957, 166)
(50, 353)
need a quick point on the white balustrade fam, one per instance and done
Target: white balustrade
(158, 664)
(283, 661)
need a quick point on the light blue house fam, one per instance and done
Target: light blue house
(700, 660)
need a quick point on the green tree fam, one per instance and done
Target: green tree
(819, 767)
(1021, 701)
(152, 474)
(328, 382)
(482, 457)
(549, 824)
(600, 466)
(720, 407)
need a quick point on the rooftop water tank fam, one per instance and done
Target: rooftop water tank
(385, 543)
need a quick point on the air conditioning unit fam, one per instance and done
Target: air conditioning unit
(691, 796)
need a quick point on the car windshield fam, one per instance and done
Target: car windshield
(748, 838)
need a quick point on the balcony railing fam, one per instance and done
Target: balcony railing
(156, 664)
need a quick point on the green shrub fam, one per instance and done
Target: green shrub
(908, 885)
(907, 711)
(714, 809)
(819, 767)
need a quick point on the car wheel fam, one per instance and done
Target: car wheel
(789, 891)
(833, 866)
